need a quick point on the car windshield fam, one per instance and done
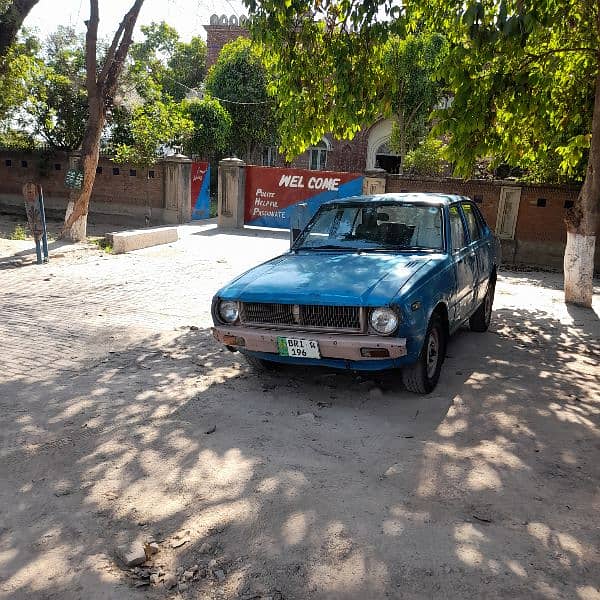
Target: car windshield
(372, 227)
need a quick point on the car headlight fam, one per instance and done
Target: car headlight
(228, 311)
(384, 320)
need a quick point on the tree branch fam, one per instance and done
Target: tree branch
(110, 55)
(532, 57)
(111, 77)
(414, 112)
(11, 20)
(91, 43)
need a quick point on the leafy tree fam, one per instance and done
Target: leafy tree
(186, 68)
(239, 80)
(163, 65)
(148, 59)
(154, 125)
(212, 127)
(525, 78)
(57, 105)
(159, 41)
(11, 137)
(21, 64)
(409, 66)
(528, 77)
(427, 158)
(151, 114)
(326, 59)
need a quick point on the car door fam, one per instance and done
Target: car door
(489, 249)
(465, 266)
(477, 244)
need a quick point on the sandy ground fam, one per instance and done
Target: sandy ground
(313, 484)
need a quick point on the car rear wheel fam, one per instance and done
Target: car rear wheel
(480, 319)
(258, 364)
(422, 376)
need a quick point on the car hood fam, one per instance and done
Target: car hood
(340, 278)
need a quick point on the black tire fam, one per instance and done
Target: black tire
(422, 376)
(480, 319)
(258, 364)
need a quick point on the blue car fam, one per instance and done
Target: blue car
(371, 283)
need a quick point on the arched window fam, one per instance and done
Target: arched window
(387, 159)
(317, 156)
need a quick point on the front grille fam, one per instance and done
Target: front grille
(332, 317)
(276, 314)
(304, 316)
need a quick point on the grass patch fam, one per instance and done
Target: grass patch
(18, 233)
(103, 244)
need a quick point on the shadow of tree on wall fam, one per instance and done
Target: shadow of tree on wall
(312, 485)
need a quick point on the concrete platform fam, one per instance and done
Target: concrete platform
(126, 241)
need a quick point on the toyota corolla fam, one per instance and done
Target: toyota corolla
(371, 283)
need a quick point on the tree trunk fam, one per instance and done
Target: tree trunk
(101, 88)
(75, 227)
(582, 222)
(402, 140)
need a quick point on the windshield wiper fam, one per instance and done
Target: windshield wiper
(327, 247)
(398, 249)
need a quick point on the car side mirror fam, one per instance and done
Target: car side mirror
(298, 221)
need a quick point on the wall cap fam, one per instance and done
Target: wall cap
(177, 158)
(376, 173)
(492, 182)
(232, 162)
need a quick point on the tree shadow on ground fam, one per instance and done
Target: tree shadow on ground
(257, 232)
(313, 484)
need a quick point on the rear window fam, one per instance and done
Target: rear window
(472, 222)
(457, 230)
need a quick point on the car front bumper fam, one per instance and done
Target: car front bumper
(331, 346)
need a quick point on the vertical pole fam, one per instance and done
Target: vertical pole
(44, 229)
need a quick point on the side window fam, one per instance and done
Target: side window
(483, 226)
(457, 230)
(472, 224)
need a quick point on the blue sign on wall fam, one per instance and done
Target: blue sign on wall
(200, 190)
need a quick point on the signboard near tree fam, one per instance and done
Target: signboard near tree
(36, 217)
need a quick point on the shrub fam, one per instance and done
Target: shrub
(19, 233)
(426, 159)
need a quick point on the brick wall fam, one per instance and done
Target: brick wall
(344, 155)
(122, 193)
(540, 233)
(115, 184)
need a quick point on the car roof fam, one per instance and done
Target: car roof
(436, 199)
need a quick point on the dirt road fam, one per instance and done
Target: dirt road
(312, 484)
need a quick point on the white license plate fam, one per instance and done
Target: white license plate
(298, 347)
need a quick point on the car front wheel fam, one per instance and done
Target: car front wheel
(422, 376)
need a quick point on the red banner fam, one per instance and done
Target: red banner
(272, 192)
